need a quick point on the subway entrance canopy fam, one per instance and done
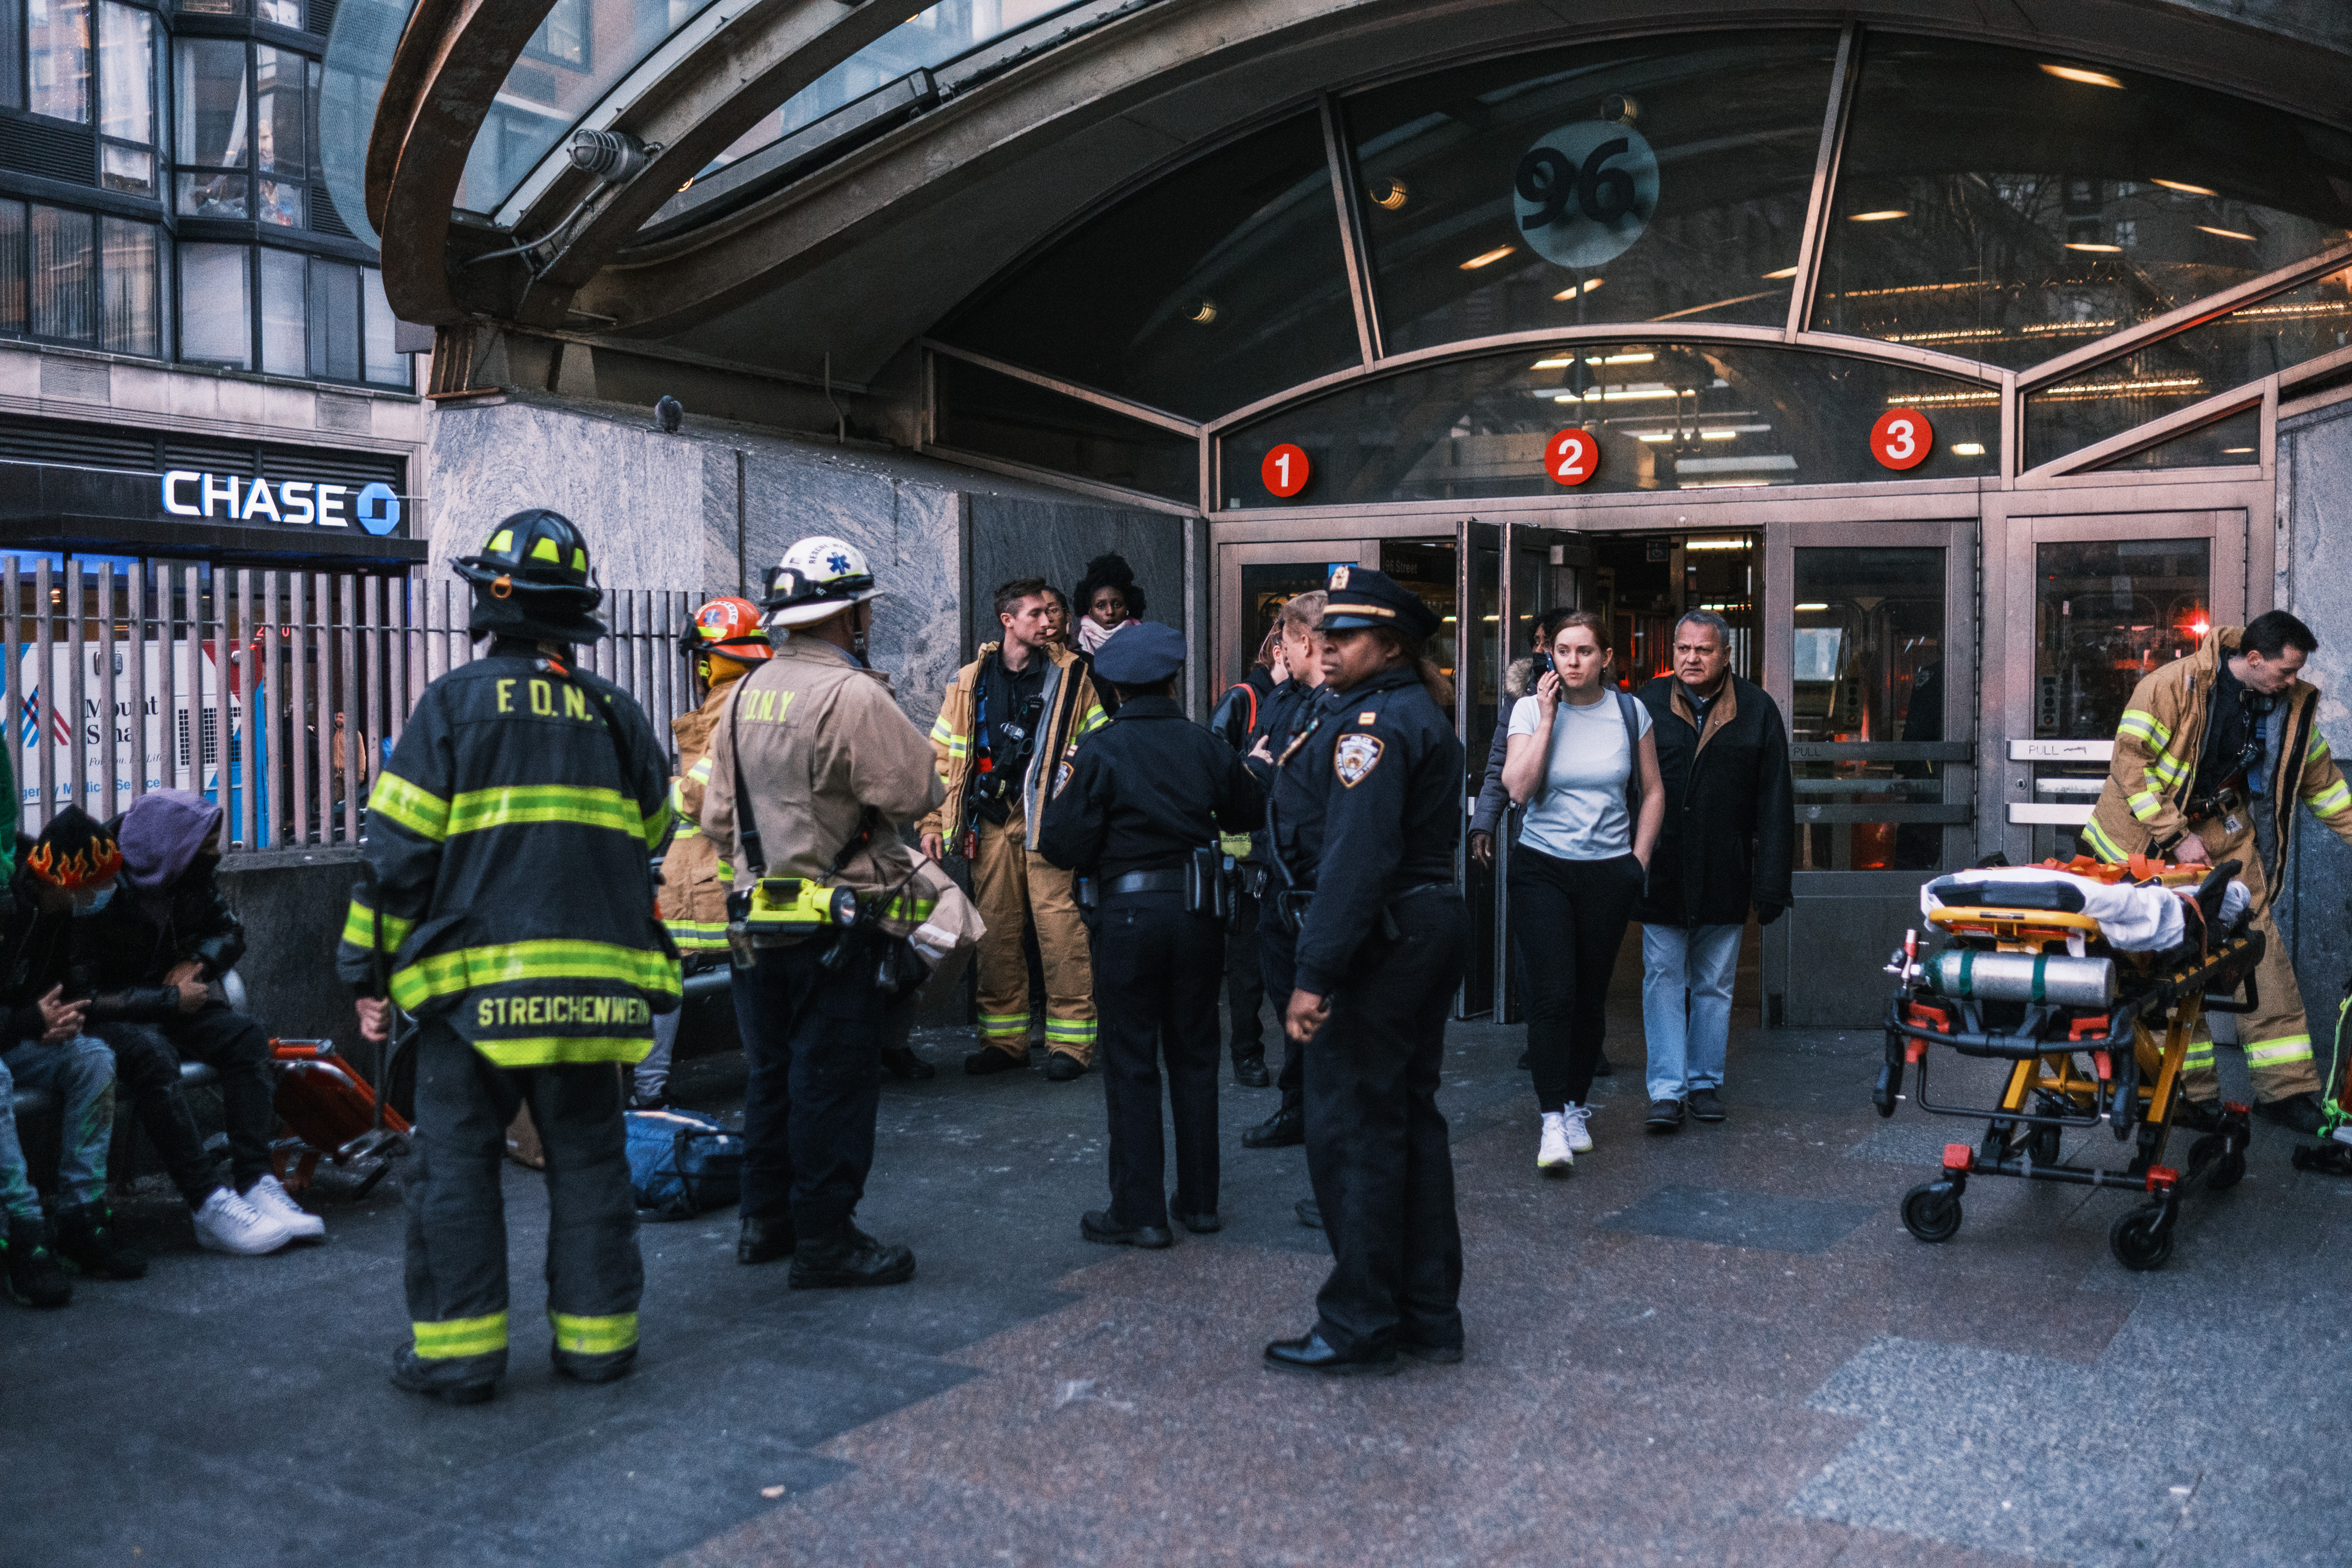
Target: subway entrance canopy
(1951, 355)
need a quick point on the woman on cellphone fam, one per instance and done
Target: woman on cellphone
(1583, 762)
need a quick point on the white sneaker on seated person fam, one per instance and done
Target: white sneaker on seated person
(227, 1223)
(269, 1196)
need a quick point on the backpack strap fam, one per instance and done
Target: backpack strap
(1627, 704)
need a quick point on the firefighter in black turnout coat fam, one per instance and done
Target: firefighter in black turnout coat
(1141, 797)
(510, 837)
(1378, 956)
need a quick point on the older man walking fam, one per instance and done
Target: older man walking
(1727, 843)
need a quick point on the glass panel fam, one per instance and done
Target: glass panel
(126, 69)
(1662, 416)
(1650, 181)
(2105, 613)
(2010, 206)
(281, 144)
(285, 313)
(1868, 666)
(1641, 584)
(1267, 587)
(2232, 440)
(212, 7)
(384, 366)
(56, 58)
(211, 128)
(335, 320)
(129, 169)
(997, 417)
(285, 13)
(216, 305)
(130, 265)
(578, 54)
(278, 202)
(1427, 569)
(2241, 347)
(359, 56)
(12, 267)
(12, 55)
(65, 276)
(1216, 285)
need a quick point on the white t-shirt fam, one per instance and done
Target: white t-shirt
(1578, 813)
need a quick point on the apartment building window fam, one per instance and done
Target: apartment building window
(83, 279)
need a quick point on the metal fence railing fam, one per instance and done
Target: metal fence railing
(275, 692)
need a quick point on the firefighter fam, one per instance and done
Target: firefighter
(1008, 720)
(2212, 756)
(508, 838)
(813, 767)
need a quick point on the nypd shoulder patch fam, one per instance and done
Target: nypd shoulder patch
(1355, 757)
(1062, 778)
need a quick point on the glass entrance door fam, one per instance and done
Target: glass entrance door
(1870, 657)
(2097, 604)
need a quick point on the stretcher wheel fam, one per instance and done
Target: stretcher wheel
(1883, 1094)
(2138, 1242)
(2227, 1171)
(2043, 1145)
(1931, 1215)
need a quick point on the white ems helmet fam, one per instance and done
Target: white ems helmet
(816, 577)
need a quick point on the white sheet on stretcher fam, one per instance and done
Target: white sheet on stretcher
(2133, 919)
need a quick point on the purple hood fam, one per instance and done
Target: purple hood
(160, 834)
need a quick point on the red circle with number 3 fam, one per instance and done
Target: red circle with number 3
(1902, 438)
(1284, 469)
(1571, 458)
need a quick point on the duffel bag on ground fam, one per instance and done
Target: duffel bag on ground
(681, 1163)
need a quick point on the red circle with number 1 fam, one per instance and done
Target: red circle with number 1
(1902, 438)
(1284, 469)
(1571, 458)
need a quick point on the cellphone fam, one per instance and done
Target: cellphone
(1543, 664)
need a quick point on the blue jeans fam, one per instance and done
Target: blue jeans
(1688, 1046)
(80, 1073)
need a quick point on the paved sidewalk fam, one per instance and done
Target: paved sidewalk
(1719, 1347)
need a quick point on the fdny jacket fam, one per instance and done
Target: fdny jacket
(2161, 737)
(1071, 707)
(694, 896)
(510, 835)
(1392, 819)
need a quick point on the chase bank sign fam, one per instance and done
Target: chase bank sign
(233, 498)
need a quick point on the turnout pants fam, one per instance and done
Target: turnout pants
(813, 1040)
(456, 1213)
(2276, 1037)
(1377, 1149)
(1156, 971)
(1012, 882)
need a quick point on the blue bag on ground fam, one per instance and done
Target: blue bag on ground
(681, 1163)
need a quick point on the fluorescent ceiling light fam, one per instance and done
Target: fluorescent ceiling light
(2227, 451)
(1802, 608)
(1718, 435)
(2185, 188)
(1489, 258)
(1641, 359)
(1784, 272)
(1560, 363)
(1968, 448)
(2099, 249)
(2077, 74)
(1715, 544)
(1881, 215)
(1658, 436)
(2225, 234)
(1572, 291)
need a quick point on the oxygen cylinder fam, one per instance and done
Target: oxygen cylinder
(2024, 977)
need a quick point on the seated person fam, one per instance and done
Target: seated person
(150, 963)
(69, 868)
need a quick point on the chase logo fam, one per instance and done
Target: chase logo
(377, 508)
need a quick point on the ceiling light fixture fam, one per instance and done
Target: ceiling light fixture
(2185, 188)
(2097, 249)
(1968, 448)
(1559, 363)
(2225, 234)
(1884, 214)
(1717, 544)
(1784, 272)
(2084, 78)
(1718, 435)
(1390, 196)
(1812, 609)
(1572, 291)
(1489, 258)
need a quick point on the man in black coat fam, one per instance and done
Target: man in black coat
(1729, 842)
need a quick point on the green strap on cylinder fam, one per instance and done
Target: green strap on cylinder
(1967, 963)
(2041, 973)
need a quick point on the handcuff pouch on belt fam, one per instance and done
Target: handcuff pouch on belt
(1207, 889)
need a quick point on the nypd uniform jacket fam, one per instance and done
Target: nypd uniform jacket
(1298, 786)
(1139, 794)
(511, 835)
(1392, 819)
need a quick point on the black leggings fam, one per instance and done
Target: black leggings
(1568, 917)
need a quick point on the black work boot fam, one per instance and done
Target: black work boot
(901, 1063)
(34, 1276)
(2295, 1113)
(1249, 1070)
(1280, 1131)
(86, 1245)
(764, 1241)
(848, 1256)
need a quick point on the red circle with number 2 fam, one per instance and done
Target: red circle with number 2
(1284, 469)
(1902, 438)
(1571, 458)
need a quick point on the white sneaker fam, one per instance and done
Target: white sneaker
(270, 1197)
(1553, 1157)
(1579, 1137)
(227, 1223)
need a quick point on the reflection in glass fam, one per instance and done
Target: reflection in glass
(285, 312)
(1267, 587)
(216, 305)
(1991, 208)
(1214, 287)
(275, 202)
(1665, 416)
(2106, 612)
(126, 169)
(280, 122)
(335, 323)
(131, 278)
(2244, 346)
(2232, 440)
(384, 366)
(65, 276)
(212, 126)
(1428, 570)
(126, 99)
(285, 13)
(12, 267)
(1734, 122)
(1868, 667)
(56, 58)
(992, 416)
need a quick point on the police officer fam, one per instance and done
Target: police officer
(1294, 776)
(812, 766)
(510, 838)
(1378, 958)
(1141, 798)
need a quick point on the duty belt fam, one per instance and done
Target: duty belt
(1147, 881)
(1417, 892)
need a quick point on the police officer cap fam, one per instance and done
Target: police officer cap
(1362, 596)
(1142, 655)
